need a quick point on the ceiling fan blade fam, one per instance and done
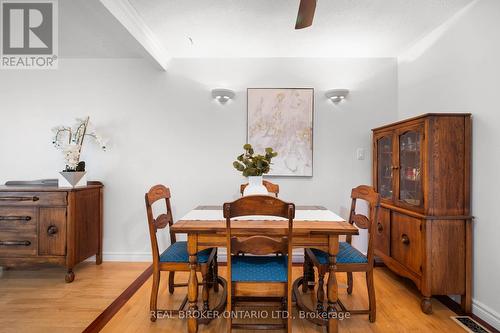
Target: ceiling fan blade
(306, 14)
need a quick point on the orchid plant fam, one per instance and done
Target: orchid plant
(70, 141)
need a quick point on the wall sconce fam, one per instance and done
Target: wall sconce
(222, 95)
(337, 95)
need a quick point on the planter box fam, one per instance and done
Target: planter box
(72, 179)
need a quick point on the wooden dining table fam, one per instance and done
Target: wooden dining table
(313, 227)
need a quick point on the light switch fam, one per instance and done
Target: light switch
(360, 153)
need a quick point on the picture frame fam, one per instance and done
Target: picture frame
(283, 119)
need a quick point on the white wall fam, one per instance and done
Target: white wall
(165, 128)
(457, 69)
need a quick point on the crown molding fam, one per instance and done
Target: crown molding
(128, 16)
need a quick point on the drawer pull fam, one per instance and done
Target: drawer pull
(15, 218)
(52, 230)
(15, 243)
(380, 227)
(19, 198)
(404, 239)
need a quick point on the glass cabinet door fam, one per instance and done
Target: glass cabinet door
(384, 167)
(410, 168)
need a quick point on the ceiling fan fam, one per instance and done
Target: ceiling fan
(306, 14)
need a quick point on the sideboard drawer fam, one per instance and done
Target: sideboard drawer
(33, 198)
(18, 219)
(406, 241)
(13, 244)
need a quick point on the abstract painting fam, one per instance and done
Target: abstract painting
(282, 118)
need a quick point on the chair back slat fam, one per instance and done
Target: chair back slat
(158, 192)
(271, 187)
(367, 193)
(259, 205)
(360, 221)
(259, 245)
(163, 220)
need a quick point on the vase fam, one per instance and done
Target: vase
(255, 186)
(71, 179)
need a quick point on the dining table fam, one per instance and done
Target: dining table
(313, 227)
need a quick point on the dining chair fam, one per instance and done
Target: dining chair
(175, 258)
(349, 259)
(259, 275)
(271, 187)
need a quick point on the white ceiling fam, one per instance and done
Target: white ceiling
(265, 28)
(88, 30)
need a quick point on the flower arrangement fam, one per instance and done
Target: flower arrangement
(254, 165)
(70, 141)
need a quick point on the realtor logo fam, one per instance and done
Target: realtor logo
(29, 34)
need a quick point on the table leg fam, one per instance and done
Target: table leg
(192, 283)
(333, 249)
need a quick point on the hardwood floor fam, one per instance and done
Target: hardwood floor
(398, 309)
(40, 300)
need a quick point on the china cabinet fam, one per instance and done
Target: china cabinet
(421, 168)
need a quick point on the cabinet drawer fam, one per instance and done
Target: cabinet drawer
(18, 219)
(32, 198)
(406, 241)
(16, 244)
(382, 236)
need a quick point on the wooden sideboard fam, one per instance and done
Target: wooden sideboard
(47, 224)
(422, 170)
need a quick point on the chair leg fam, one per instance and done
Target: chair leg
(306, 273)
(283, 309)
(350, 282)
(171, 277)
(215, 274)
(312, 277)
(371, 296)
(210, 276)
(289, 310)
(229, 307)
(321, 291)
(204, 289)
(154, 296)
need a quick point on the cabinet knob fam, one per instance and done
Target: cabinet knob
(52, 230)
(380, 227)
(395, 167)
(404, 239)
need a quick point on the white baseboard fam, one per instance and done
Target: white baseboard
(125, 257)
(482, 311)
(486, 313)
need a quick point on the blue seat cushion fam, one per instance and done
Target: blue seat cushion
(259, 268)
(347, 255)
(177, 252)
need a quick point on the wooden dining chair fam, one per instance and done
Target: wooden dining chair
(271, 187)
(349, 259)
(259, 275)
(175, 258)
